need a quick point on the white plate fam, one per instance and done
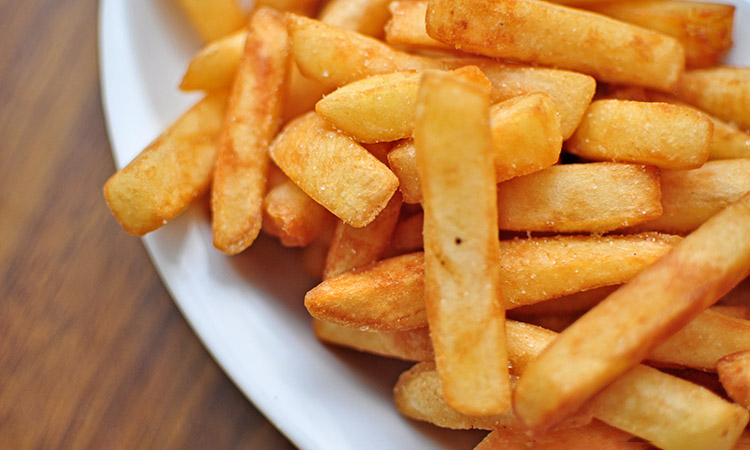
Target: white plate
(248, 309)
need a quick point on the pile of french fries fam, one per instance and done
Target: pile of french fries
(545, 205)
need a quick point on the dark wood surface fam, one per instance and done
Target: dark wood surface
(93, 352)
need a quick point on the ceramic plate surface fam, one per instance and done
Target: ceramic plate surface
(248, 309)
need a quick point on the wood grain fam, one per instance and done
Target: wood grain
(93, 353)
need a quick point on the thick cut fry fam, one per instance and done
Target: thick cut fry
(467, 323)
(690, 346)
(403, 161)
(594, 197)
(356, 247)
(389, 295)
(595, 435)
(661, 134)
(363, 16)
(663, 409)
(213, 19)
(704, 29)
(721, 91)
(292, 216)
(734, 374)
(566, 305)
(407, 236)
(410, 345)
(407, 26)
(253, 118)
(620, 331)
(215, 64)
(691, 197)
(335, 57)
(171, 172)
(334, 170)
(553, 35)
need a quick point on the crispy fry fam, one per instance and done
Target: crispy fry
(213, 19)
(594, 197)
(548, 34)
(356, 247)
(363, 16)
(461, 242)
(691, 197)
(171, 172)
(389, 295)
(302, 7)
(215, 65)
(734, 374)
(661, 134)
(704, 29)
(407, 236)
(593, 435)
(403, 161)
(721, 91)
(407, 26)
(334, 170)
(253, 117)
(636, 318)
(409, 345)
(335, 56)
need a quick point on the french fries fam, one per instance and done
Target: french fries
(253, 118)
(467, 322)
(660, 134)
(395, 164)
(531, 30)
(175, 169)
(636, 318)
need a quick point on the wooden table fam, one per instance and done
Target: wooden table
(93, 352)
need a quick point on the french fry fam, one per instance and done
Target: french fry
(409, 345)
(406, 26)
(356, 247)
(704, 29)
(734, 374)
(333, 169)
(738, 311)
(663, 409)
(302, 7)
(215, 65)
(661, 134)
(403, 162)
(304, 93)
(595, 197)
(253, 117)
(292, 216)
(389, 295)
(407, 236)
(688, 348)
(335, 56)
(690, 197)
(565, 305)
(213, 19)
(548, 34)
(169, 174)
(363, 16)
(467, 322)
(593, 435)
(636, 318)
(313, 256)
(721, 91)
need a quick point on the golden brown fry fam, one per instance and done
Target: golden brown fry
(721, 91)
(356, 247)
(171, 172)
(595, 435)
(661, 134)
(553, 35)
(302, 7)
(663, 409)
(595, 197)
(691, 197)
(213, 19)
(738, 311)
(335, 57)
(704, 29)
(620, 331)
(407, 236)
(292, 216)
(403, 161)
(467, 322)
(334, 170)
(689, 347)
(304, 93)
(389, 295)
(734, 374)
(409, 345)
(215, 65)
(570, 304)
(407, 26)
(253, 117)
(363, 16)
